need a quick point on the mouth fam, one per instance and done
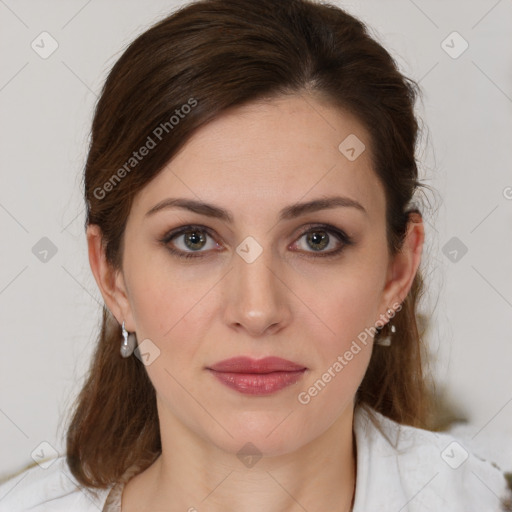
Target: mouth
(257, 377)
(246, 364)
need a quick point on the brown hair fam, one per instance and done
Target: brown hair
(212, 55)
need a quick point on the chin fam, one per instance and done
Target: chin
(262, 432)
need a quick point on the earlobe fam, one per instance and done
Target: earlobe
(109, 281)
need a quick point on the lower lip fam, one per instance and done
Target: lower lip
(258, 383)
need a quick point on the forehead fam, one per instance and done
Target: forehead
(262, 156)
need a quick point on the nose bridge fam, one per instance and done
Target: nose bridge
(256, 295)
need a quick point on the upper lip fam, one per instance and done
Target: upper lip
(248, 365)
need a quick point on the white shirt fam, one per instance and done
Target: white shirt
(424, 472)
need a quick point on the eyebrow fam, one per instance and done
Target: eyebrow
(287, 213)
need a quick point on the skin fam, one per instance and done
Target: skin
(289, 302)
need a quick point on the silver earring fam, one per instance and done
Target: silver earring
(385, 341)
(128, 343)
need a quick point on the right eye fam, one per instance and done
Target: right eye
(191, 240)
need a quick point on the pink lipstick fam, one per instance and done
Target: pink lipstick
(257, 376)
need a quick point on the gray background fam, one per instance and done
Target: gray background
(49, 303)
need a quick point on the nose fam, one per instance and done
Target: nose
(257, 296)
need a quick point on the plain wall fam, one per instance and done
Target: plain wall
(50, 311)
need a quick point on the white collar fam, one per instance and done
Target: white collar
(404, 469)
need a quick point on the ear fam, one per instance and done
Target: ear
(109, 280)
(403, 267)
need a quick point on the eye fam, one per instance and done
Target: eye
(321, 237)
(189, 240)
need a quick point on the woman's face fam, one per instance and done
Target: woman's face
(275, 280)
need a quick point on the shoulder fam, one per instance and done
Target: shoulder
(51, 489)
(418, 470)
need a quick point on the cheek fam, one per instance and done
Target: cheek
(163, 300)
(159, 292)
(346, 299)
(347, 308)
(348, 312)
(168, 312)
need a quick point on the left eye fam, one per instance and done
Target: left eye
(318, 240)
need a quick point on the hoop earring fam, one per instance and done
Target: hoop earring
(129, 342)
(385, 341)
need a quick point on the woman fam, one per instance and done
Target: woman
(252, 229)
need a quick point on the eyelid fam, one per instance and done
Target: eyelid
(323, 226)
(168, 236)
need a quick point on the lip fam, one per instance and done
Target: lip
(257, 377)
(246, 364)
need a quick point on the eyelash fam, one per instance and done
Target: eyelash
(339, 234)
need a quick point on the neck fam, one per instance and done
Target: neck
(192, 474)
